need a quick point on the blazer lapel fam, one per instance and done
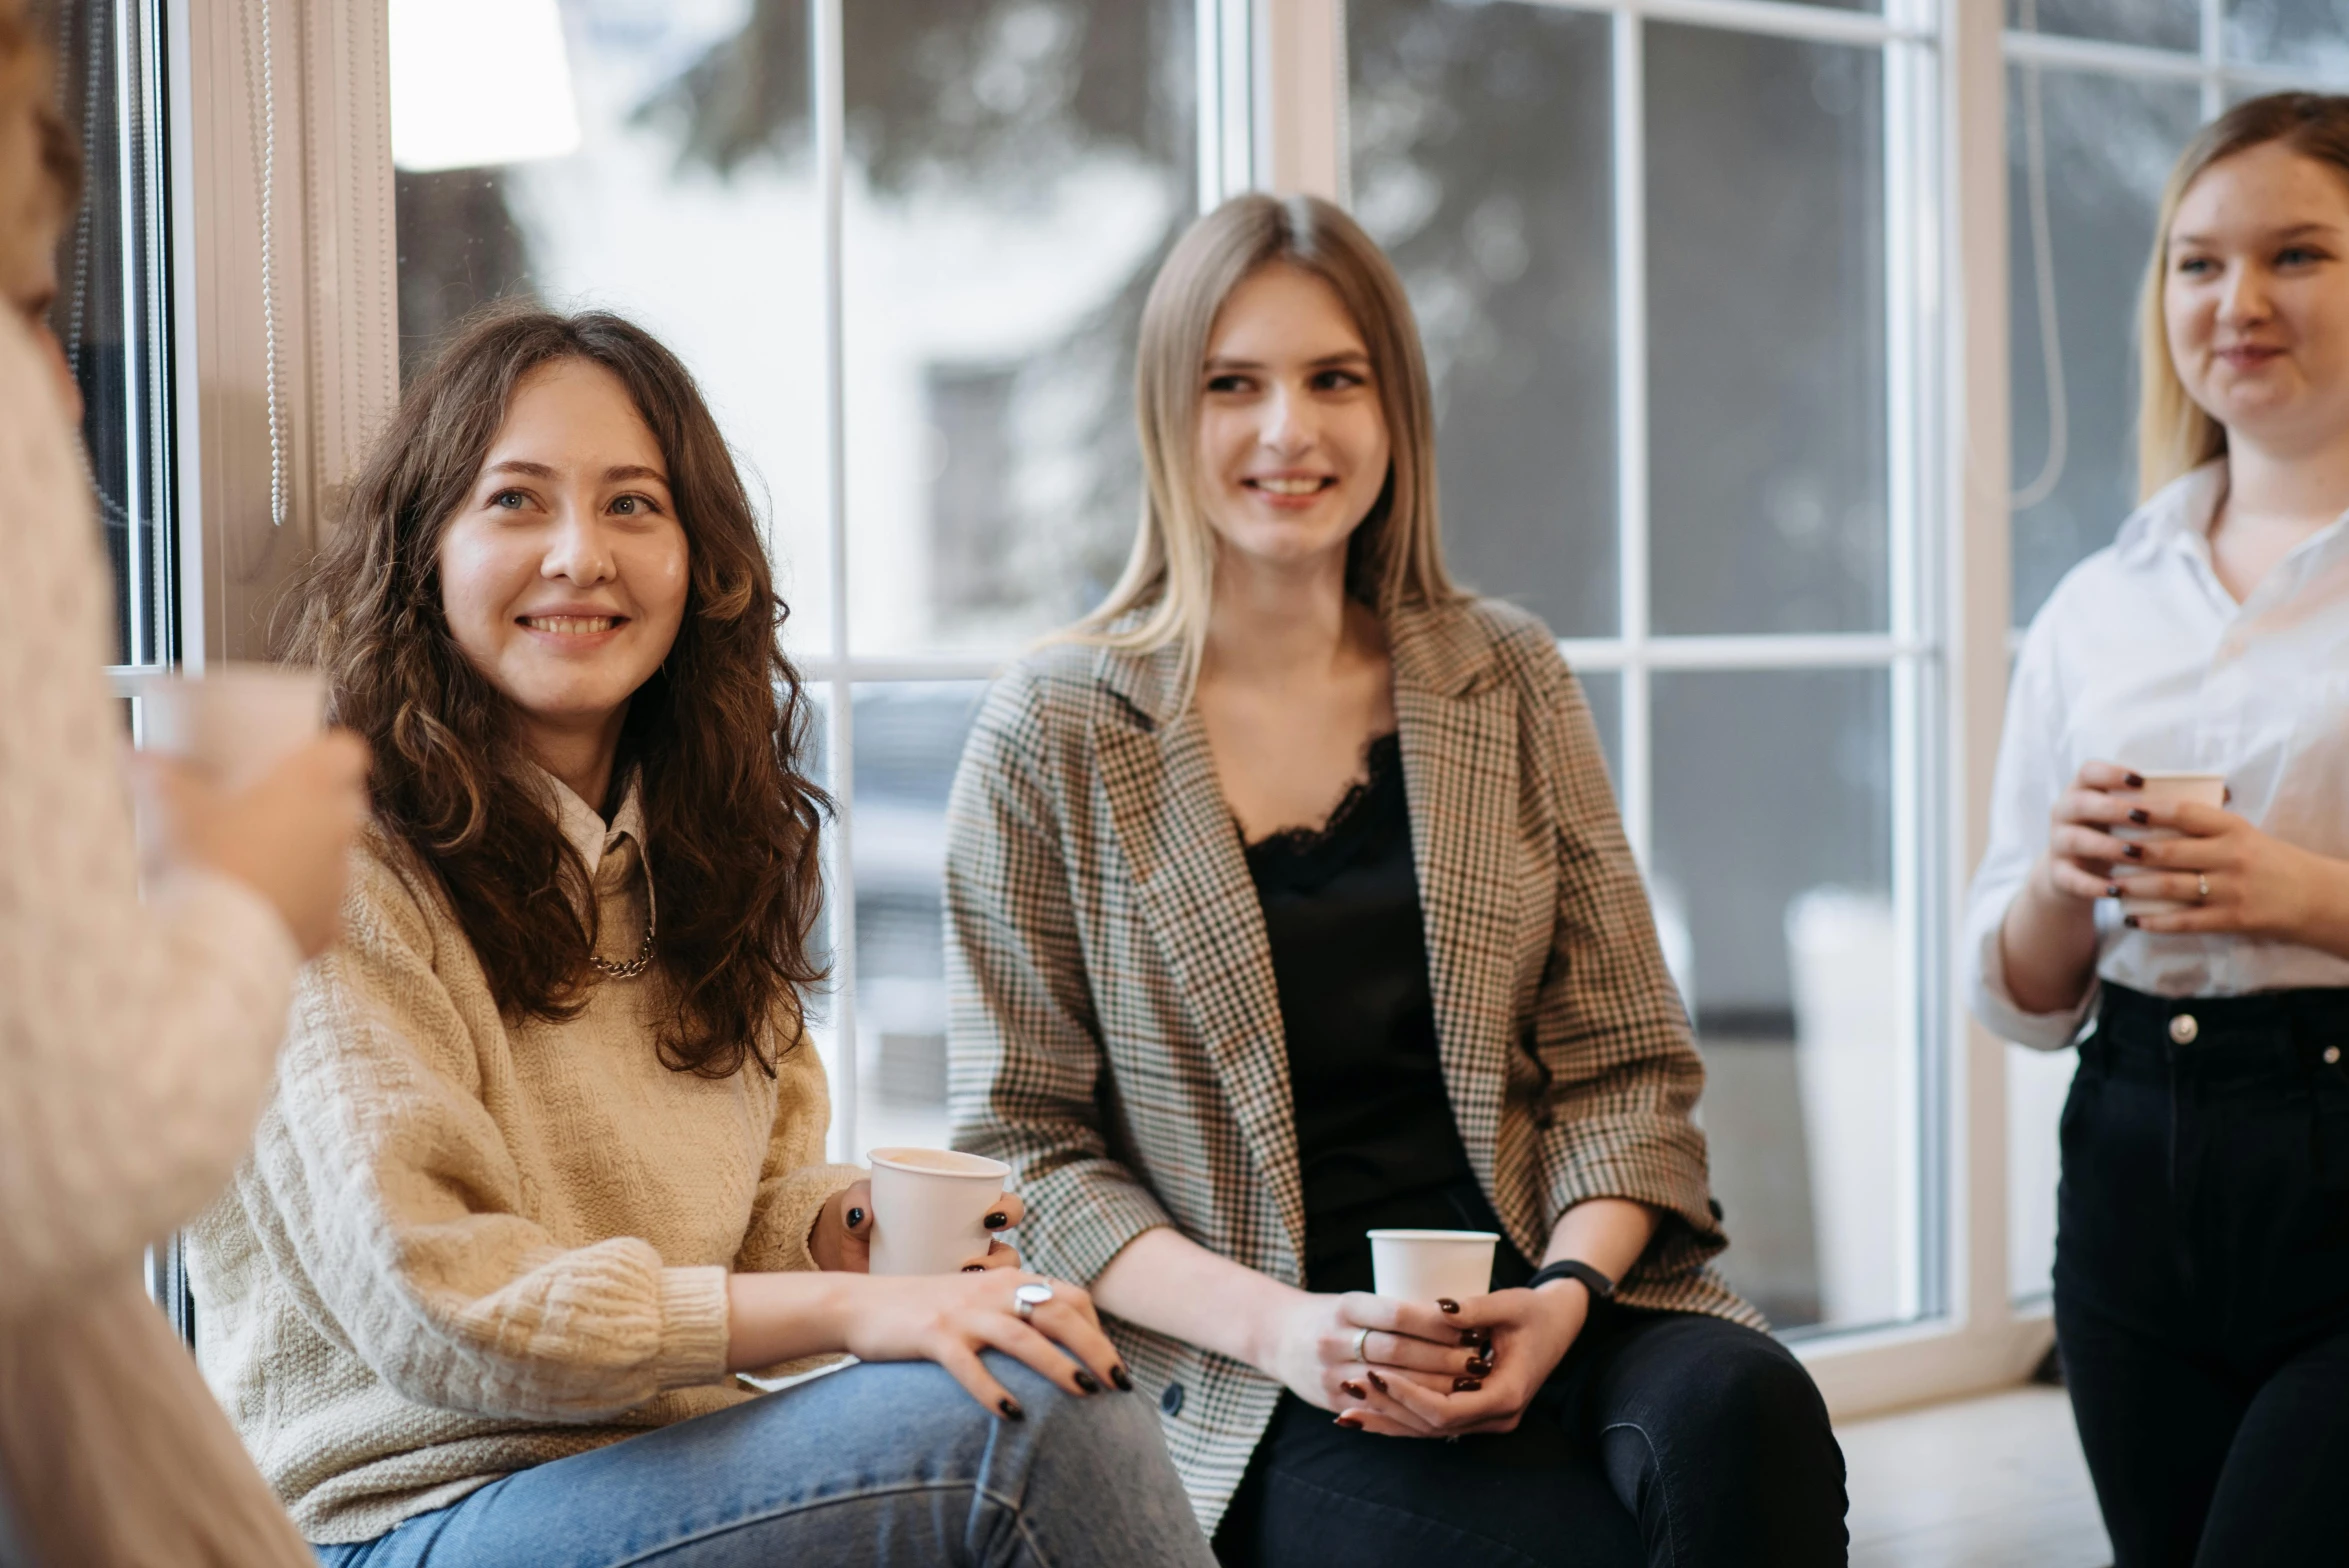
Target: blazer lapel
(1192, 883)
(1458, 720)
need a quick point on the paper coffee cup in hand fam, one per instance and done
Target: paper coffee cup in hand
(2163, 789)
(1432, 1265)
(234, 722)
(930, 1208)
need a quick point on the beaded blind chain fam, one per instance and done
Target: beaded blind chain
(261, 100)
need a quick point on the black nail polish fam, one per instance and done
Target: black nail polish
(1465, 1385)
(2131, 922)
(1443, 1303)
(856, 1217)
(2133, 851)
(1378, 1382)
(2136, 781)
(1008, 1405)
(997, 1220)
(1122, 1378)
(1468, 1336)
(2112, 890)
(2137, 814)
(1351, 1390)
(974, 1268)
(1087, 1381)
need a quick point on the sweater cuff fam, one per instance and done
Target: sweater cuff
(694, 1328)
(802, 1197)
(231, 918)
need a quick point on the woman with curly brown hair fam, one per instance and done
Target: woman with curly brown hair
(544, 1171)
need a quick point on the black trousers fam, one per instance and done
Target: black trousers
(1664, 1438)
(2202, 1275)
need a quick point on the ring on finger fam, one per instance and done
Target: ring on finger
(1362, 1346)
(1026, 1299)
(2202, 887)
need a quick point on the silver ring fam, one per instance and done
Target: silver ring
(1026, 1299)
(2202, 884)
(1362, 1347)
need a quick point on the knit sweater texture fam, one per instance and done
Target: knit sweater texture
(466, 1244)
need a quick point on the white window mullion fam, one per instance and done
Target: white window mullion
(1631, 428)
(827, 86)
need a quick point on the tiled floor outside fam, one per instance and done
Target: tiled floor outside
(1996, 1482)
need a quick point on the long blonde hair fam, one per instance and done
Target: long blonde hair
(2175, 434)
(1395, 558)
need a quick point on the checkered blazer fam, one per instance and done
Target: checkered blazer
(1116, 1035)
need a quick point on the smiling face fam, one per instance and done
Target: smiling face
(563, 575)
(2255, 297)
(1293, 447)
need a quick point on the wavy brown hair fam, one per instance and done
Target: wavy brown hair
(714, 735)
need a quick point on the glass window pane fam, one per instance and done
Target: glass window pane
(1773, 826)
(1766, 319)
(2313, 34)
(908, 739)
(644, 157)
(1603, 690)
(1018, 167)
(2109, 143)
(1481, 161)
(110, 299)
(2036, 1083)
(2160, 24)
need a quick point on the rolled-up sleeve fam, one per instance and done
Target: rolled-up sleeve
(1609, 1028)
(2032, 773)
(1027, 1059)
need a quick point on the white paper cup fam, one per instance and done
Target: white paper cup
(234, 722)
(930, 1208)
(2166, 789)
(1432, 1265)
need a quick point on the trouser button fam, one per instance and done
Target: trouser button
(2183, 1028)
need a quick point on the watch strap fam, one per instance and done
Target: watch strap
(1599, 1285)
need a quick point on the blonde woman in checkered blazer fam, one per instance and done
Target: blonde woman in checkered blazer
(1221, 1028)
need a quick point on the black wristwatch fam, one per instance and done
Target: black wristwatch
(1598, 1284)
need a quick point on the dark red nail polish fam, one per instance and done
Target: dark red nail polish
(2133, 851)
(1469, 1336)
(1443, 1303)
(1478, 1366)
(974, 1268)
(1352, 1390)
(1350, 1423)
(2137, 814)
(856, 1217)
(997, 1220)
(1008, 1405)
(1376, 1381)
(1087, 1381)
(2112, 890)
(1122, 1378)
(2136, 781)
(2131, 922)
(1465, 1385)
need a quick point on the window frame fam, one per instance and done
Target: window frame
(1272, 113)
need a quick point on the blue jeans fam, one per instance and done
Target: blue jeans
(877, 1466)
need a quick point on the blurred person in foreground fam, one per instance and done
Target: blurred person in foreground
(1287, 900)
(2202, 1243)
(545, 1169)
(136, 1039)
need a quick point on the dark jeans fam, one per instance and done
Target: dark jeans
(1664, 1438)
(2202, 1276)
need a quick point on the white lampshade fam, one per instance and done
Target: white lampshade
(479, 82)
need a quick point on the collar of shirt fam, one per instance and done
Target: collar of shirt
(2177, 518)
(585, 827)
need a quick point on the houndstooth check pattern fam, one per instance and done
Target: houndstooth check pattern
(1116, 1032)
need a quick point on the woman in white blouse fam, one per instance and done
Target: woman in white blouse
(2202, 1259)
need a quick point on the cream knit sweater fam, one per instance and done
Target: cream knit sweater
(464, 1246)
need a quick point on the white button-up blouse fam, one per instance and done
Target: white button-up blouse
(2143, 658)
